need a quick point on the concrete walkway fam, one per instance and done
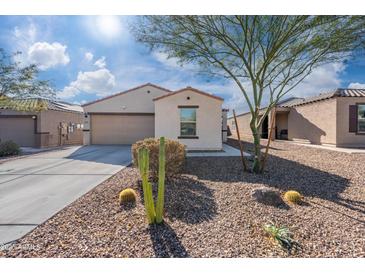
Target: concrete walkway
(227, 151)
(34, 188)
(333, 148)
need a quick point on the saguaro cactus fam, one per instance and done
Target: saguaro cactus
(143, 165)
(161, 181)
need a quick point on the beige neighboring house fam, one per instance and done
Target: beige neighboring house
(191, 116)
(335, 118)
(60, 124)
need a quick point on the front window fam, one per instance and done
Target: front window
(188, 122)
(361, 118)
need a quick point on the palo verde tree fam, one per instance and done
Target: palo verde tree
(266, 56)
(18, 81)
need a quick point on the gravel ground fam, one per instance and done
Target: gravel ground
(210, 212)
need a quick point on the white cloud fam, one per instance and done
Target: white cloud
(100, 63)
(163, 58)
(47, 55)
(89, 56)
(105, 29)
(356, 85)
(100, 82)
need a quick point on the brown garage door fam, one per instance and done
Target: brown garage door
(107, 129)
(18, 129)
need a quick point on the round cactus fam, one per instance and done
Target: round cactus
(127, 195)
(293, 196)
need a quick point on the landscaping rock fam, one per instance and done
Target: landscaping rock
(267, 196)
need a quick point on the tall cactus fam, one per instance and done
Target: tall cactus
(161, 181)
(143, 164)
(153, 216)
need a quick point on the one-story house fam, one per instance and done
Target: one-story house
(189, 115)
(334, 118)
(54, 124)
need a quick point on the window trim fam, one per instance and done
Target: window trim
(357, 128)
(189, 122)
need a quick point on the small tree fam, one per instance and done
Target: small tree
(266, 56)
(20, 82)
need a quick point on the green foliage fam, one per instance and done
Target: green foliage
(9, 148)
(281, 235)
(293, 196)
(161, 182)
(153, 216)
(174, 155)
(17, 81)
(127, 195)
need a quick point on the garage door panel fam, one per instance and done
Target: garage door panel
(121, 129)
(18, 129)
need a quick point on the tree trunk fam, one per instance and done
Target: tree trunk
(256, 167)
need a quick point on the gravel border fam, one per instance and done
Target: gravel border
(210, 212)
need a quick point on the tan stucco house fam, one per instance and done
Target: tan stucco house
(58, 124)
(191, 116)
(334, 118)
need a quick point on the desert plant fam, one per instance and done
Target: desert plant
(161, 181)
(281, 235)
(143, 164)
(153, 216)
(293, 196)
(9, 148)
(174, 154)
(127, 195)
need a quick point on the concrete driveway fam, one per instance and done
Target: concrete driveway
(34, 188)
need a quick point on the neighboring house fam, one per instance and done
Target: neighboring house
(190, 116)
(58, 124)
(333, 118)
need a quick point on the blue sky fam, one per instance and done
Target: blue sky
(88, 57)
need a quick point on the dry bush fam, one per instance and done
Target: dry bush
(175, 155)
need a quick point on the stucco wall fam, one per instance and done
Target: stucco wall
(344, 137)
(243, 124)
(50, 121)
(138, 100)
(208, 120)
(315, 122)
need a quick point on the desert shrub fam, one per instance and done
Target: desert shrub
(293, 196)
(280, 235)
(9, 148)
(127, 195)
(174, 151)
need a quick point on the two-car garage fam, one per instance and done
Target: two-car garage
(107, 129)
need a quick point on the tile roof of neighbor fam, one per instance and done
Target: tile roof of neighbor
(126, 91)
(191, 89)
(34, 103)
(296, 101)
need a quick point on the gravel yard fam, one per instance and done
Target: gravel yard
(210, 212)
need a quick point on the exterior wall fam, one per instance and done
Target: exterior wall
(47, 127)
(208, 120)
(344, 137)
(50, 128)
(135, 101)
(314, 123)
(224, 125)
(243, 121)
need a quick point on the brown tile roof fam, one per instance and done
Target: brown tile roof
(38, 104)
(191, 89)
(126, 91)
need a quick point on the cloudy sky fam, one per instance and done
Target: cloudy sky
(88, 57)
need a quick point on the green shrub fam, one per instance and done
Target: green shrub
(280, 235)
(293, 196)
(128, 195)
(9, 148)
(174, 152)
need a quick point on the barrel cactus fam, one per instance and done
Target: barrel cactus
(128, 195)
(293, 196)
